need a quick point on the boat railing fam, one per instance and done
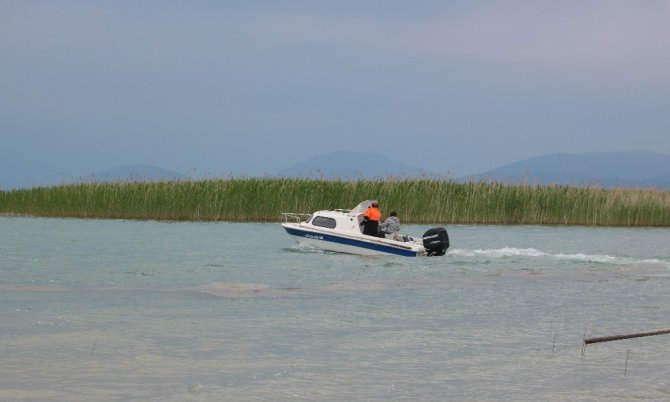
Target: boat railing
(295, 217)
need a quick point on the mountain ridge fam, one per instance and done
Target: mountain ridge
(608, 169)
(133, 173)
(351, 165)
(637, 169)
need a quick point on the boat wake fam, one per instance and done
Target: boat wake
(302, 248)
(510, 252)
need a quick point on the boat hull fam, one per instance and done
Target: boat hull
(347, 244)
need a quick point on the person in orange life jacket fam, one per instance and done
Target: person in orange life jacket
(371, 220)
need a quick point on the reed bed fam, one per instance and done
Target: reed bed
(415, 200)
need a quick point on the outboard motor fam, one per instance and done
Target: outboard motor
(436, 241)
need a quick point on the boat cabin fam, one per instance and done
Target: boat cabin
(341, 219)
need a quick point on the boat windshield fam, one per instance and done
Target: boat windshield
(361, 208)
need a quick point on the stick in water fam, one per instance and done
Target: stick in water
(626, 336)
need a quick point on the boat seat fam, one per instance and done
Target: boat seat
(394, 236)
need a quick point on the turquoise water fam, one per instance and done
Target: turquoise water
(122, 310)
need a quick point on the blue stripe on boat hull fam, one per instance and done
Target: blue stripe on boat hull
(350, 242)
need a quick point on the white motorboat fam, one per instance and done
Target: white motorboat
(340, 231)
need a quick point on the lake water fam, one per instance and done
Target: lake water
(96, 310)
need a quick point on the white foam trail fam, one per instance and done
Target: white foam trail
(535, 253)
(498, 253)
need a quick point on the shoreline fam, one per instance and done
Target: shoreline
(104, 218)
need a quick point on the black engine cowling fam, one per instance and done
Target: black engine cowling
(436, 241)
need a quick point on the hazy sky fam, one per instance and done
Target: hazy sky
(253, 87)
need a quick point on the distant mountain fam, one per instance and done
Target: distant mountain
(607, 169)
(14, 176)
(17, 177)
(352, 165)
(133, 173)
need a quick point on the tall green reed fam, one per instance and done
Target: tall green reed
(415, 200)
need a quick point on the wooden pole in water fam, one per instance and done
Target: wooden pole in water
(627, 336)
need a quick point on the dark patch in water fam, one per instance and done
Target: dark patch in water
(237, 289)
(137, 273)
